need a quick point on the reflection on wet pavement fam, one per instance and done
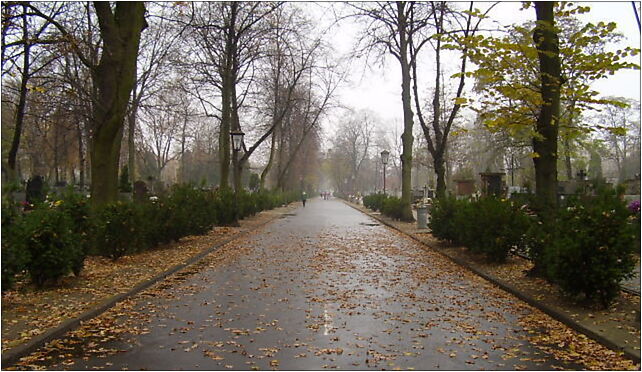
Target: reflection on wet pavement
(322, 289)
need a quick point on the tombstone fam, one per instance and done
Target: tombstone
(417, 195)
(465, 187)
(19, 196)
(140, 191)
(491, 183)
(567, 187)
(632, 186)
(35, 191)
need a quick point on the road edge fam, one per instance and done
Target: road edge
(12, 356)
(552, 312)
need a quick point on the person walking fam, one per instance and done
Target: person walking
(304, 196)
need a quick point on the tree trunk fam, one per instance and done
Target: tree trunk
(280, 184)
(56, 153)
(266, 171)
(224, 134)
(22, 102)
(236, 123)
(567, 143)
(567, 158)
(439, 163)
(81, 155)
(114, 79)
(547, 128)
(406, 137)
(131, 146)
(228, 80)
(438, 155)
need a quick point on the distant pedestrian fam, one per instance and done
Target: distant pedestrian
(304, 197)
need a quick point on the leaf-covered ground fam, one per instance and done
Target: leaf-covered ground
(28, 312)
(323, 290)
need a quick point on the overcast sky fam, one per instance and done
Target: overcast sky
(379, 88)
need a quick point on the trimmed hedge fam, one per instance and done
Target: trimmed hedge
(593, 247)
(488, 226)
(388, 205)
(587, 247)
(442, 219)
(54, 248)
(14, 254)
(52, 240)
(375, 201)
(117, 230)
(393, 208)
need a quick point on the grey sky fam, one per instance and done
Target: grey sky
(379, 88)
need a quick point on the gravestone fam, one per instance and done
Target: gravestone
(567, 187)
(35, 191)
(417, 195)
(632, 186)
(140, 191)
(465, 187)
(491, 183)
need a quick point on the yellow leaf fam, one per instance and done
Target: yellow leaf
(461, 100)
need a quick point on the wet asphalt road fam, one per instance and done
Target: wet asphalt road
(323, 288)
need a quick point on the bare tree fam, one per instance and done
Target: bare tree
(23, 38)
(159, 45)
(227, 40)
(391, 28)
(113, 78)
(447, 24)
(621, 130)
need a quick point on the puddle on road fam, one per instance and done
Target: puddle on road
(369, 224)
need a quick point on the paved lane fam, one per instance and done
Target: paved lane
(324, 288)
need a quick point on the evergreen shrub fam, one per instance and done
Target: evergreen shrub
(15, 255)
(375, 202)
(492, 226)
(442, 219)
(118, 229)
(393, 207)
(53, 246)
(488, 226)
(76, 207)
(593, 246)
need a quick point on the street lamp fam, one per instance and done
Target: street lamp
(237, 140)
(384, 160)
(237, 143)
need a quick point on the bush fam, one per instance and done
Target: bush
(189, 212)
(593, 247)
(375, 202)
(537, 239)
(489, 226)
(124, 184)
(492, 227)
(76, 207)
(55, 238)
(153, 219)
(223, 203)
(48, 235)
(393, 208)
(442, 219)
(118, 230)
(247, 204)
(266, 200)
(15, 256)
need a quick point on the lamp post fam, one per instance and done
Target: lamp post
(237, 143)
(384, 160)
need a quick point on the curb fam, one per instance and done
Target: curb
(12, 356)
(552, 312)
